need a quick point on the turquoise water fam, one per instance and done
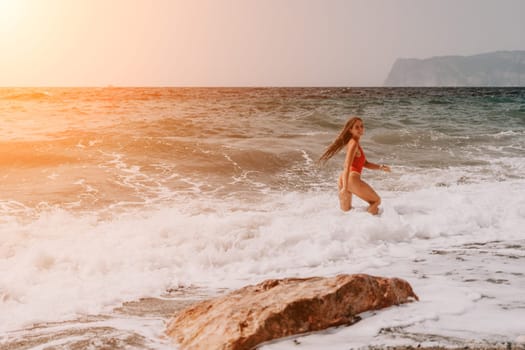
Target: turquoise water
(167, 141)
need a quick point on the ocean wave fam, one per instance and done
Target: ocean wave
(90, 264)
(440, 102)
(24, 95)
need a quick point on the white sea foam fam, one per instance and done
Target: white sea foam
(62, 265)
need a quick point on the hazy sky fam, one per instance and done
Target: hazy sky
(241, 42)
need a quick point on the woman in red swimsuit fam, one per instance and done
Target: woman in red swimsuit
(350, 179)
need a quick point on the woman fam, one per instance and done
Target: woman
(350, 179)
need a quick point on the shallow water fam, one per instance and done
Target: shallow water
(113, 196)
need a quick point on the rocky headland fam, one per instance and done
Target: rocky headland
(502, 68)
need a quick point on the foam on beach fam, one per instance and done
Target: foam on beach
(60, 265)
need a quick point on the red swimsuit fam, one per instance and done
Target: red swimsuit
(359, 162)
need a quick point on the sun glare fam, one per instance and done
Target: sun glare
(11, 12)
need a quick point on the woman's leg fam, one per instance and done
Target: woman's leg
(345, 198)
(365, 192)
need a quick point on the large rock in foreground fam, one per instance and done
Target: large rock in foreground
(278, 308)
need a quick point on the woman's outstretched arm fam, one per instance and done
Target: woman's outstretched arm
(374, 166)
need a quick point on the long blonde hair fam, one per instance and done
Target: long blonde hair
(344, 137)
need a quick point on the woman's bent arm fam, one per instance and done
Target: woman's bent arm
(373, 166)
(350, 153)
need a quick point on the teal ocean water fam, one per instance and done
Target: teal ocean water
(112, 195)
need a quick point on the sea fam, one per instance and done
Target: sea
(121, 206)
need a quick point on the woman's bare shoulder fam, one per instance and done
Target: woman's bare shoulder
(352, 144)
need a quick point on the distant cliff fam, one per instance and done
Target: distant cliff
(502, 68)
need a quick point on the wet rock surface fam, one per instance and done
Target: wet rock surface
(279, 308)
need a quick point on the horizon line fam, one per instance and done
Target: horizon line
(246, 86)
